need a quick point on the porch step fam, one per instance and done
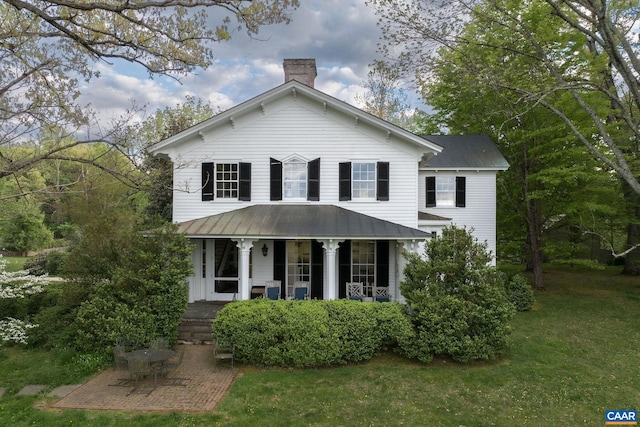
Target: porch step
(195, 331)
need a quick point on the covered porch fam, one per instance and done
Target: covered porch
(324, 245)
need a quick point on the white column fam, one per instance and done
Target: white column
(330, 285)
(244, 249)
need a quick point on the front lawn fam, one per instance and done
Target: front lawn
(572, 357)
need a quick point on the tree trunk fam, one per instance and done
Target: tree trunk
(534, 239)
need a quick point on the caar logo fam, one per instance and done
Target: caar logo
(618, 417)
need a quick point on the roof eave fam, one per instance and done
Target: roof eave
(295, 88)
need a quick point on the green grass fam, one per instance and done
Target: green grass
(570, 358)
(15, 263)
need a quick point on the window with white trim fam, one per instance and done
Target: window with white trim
(445, 191)
(294, 179)
(363, 180)
(363, 264)
(227, 180)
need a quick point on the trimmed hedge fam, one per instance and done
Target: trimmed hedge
(310, 333)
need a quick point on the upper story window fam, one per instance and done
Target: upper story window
(226, 181)
(446, 191)
(295, 179)
(364, 180)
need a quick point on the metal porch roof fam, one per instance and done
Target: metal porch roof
(297, 221)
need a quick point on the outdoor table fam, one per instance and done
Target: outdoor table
(153, 355)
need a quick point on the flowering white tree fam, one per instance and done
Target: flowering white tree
(17, 284)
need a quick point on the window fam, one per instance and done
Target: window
(298, 263)
(446, 191)
(363, 180)
(227, 180)
(294, 179)
(363, 264)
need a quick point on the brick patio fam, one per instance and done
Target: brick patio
(203, 389)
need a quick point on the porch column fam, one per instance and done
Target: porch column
(330, 286)
(244, 249)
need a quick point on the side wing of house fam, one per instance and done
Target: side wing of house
(459, 186)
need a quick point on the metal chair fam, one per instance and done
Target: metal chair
(159, 343)
(355, 291)
(140, 368)
(173, 363)
(223, 351)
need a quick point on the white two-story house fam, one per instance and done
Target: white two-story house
(295, 185)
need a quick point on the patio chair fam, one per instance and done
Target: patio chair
(223, 351)
(159, 343)
(139, 368)
(122, 364)
(355, 291)
(381, 294)
(301, 290)
(272, 289)
(173, 363)
(119, 360)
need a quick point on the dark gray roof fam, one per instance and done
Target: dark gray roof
(297, 221)
(465, 151)
(426, 216)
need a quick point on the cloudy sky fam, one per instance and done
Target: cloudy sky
(340, 34)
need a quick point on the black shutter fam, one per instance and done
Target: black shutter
(313, 180)
(382, 263)
(461, 187)
(317, 268)
(244, 181)
(207, 182)
(280, 264)
(383, 181)
(431, 191)
(345, 181)
(344, 268)
(276, 179)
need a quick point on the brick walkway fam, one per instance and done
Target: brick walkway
(203, 388)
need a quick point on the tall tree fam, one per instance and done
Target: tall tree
(159, 171)
(384, 97)
(595, 38)
(49, 47)
(582, 62)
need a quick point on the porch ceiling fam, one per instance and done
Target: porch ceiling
(297, 221)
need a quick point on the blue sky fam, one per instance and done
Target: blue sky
(340, 34)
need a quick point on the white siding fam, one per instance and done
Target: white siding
(480, 210)
(299, 127)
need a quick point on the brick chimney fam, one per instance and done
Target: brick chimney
(302, 70)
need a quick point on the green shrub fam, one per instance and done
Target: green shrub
(458, 304)
(55, 262)
(309, 333)
(520, 293)
(37, 265)
(144, 298)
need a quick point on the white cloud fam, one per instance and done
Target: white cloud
(340, 34)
